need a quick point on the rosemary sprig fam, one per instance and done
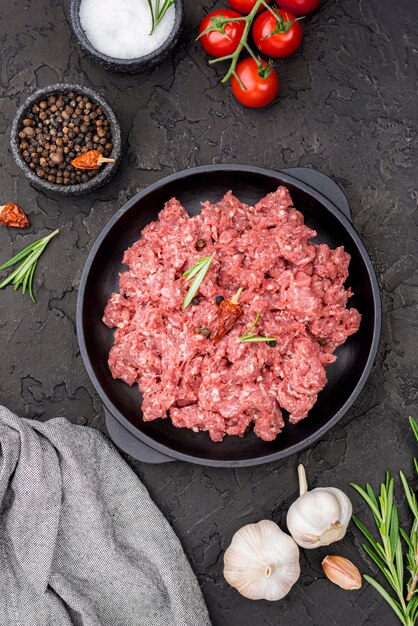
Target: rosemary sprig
(198, 272)
(158, 8)
(387, 553)
(23, 275)
(249, 337)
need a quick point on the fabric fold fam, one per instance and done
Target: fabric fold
(81, 542)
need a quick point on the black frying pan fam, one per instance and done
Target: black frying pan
(326, 210)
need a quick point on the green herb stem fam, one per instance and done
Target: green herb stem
(388, 552)
(198, 272)
(23, 275)
(249, 337)
(158, 11)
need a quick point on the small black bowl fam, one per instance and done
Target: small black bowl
(128, 66)
(106, 171)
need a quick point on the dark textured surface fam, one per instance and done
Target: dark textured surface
(347, 107)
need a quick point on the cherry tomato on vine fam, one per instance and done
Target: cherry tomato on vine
(277, 37)
(224, 38)
(245, 6)
(299, 7)
(261, 83)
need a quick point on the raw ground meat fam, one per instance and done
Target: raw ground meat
(295, 285)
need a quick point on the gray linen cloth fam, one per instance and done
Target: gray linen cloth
(81, 542)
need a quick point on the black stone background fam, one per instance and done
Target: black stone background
(348, 107)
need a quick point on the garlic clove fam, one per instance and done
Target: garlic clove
(262, 562)
(342, 572)
(318, 517)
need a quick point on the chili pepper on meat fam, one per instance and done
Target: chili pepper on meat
(90, 160)
(11, 215)
(229, 312)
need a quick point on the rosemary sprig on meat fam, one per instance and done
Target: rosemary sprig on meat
(388, 553)
(23, 275)
(249, 337)
(198, 271)
(158, 8)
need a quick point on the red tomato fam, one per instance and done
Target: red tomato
(277, 37)
(244, 6)
(261, 83)
(299, 7)
(225, 38)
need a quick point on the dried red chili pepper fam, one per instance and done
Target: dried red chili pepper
(13, 216)
(90, 160)
(229, 312)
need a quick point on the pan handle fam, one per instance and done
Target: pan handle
(324, 185)
(127, 442)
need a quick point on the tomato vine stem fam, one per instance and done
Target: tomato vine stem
(234, 57)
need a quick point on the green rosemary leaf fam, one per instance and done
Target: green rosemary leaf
(413, 609)
(410, 495)
(25, 281)
(414, 426)
(388, 501)
(22, 275)
(151, 8)
(392, 560)
(249, 337)
(362, 528)
(371, 493)
(406, 538)
(199, 277)
(9, 278)
(381, 565)
(18, 257)
(391, 601)
(394, 530)
(399, 564)
(163, 11)
(26, 265)
(158, 11)
(253, 325)
(192, 271)
(31, 274)
(369, 501)
(256, 339)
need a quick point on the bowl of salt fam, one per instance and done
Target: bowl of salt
(128, 36)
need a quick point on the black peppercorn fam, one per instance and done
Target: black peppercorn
(196, 300)
(201, 330)
(272, 344)
(219, 299)
(200, 244)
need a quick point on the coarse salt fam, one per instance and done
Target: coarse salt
(121, 28)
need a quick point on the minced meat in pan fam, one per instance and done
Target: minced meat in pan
(228, 387)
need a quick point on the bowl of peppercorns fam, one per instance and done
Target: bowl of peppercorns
(66, 139)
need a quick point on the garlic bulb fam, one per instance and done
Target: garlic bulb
(262, 562)
(318, 517)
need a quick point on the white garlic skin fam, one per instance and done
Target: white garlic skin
(318, 517)
(262, 562)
